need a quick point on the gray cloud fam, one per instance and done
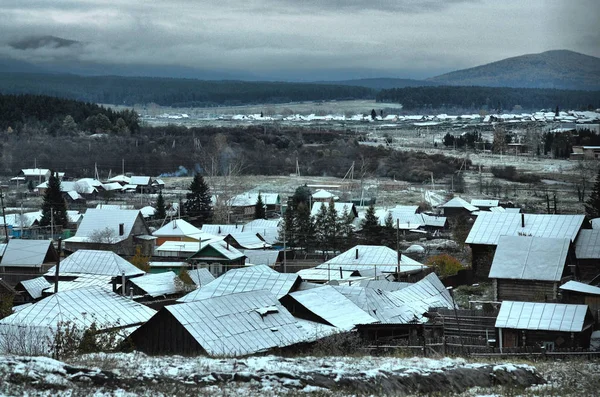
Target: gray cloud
(404, 38)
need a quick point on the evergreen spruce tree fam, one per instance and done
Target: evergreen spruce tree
(370, 225)
(54, 206)
(321, 227)
(389, 231)
(259, 209)
(161, 210)
(592, 205)
(304, 229)
(333, 227)
(346, 239)
(198, 206)
(287, 229)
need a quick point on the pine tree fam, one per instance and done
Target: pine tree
(198, 205)
(592, 205)
(161, 210)
(259, 209)
(370, 225)
(54, 206)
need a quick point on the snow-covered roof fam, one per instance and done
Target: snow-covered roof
(384, 258)
(222, 230)
(178, 228)
(35, 171)
(427, 293)
(587, 245)
(322, 194)
(383, 285)
(252, 278)
(81, 281)
(489, 226)
(105, 263)
(241, 324)
(339, 207)
(120, 179)
(35, 286)
(541, 316)
(100, 220)
(333, 307)
(325, 275)
(25, 253)
(530, 258)
(78, 307)
(577, 286)
(139, 180)
(484, 203)
(458, 202)
(267, 228)
(249, 240)
(249, 199)
(25, 220)
(148, 211)
(227, 251)
(201, 276)
(158, 284)
(261, 257)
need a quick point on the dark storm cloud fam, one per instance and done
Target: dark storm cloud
(406, 36)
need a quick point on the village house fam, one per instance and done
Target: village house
(484, 204)
(323, 196)
(489, 226)
(457, 207)
(340, 208)
(36, 175)
(154, 287)
(575, 292)
(551, 325)
(243, 205)
(120, 231)
(27, 257)
(531, 268)
(179, 230)
(587, 250)
(218, 257)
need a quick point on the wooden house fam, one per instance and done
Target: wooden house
(28, 256)
(457, 207)
(575, 292)
(219, 256)
(489, 226)
(531, 268)
(587, 250)
(119, 231)
(484, 204)
(551, 325)
(243, 205)
(179, 230)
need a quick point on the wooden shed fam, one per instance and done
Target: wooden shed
(580, 293)
(587, 250)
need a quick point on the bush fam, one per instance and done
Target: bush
(444, 265)
(510, 173)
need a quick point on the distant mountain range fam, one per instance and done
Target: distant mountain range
(559, 69)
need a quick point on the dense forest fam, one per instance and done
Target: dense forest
(173, 92)
(58, 116)
(489, 98)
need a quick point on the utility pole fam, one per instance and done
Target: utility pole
(57, 266)
(284, 250)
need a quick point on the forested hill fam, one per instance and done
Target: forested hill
(173, 92)
(489, 98)
(51, 114)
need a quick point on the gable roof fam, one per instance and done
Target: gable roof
(384, 258)
(158, 284)
(458, 202)
(248, 240)
(105, 263)
(427, 293)
(530, 258)
(227, 251)
(201, 276)
(252, 278)
(178, 228)
(241, 324)
(322, 194)
(484, 203)
(261, 257)
(541, 316)
(81, 281)
(139, 180)
(27, 253)
(489, 226)
(221, 230)
(587, 245)
(35, 286)
(97, 220)
(333, 307)
(267, 228)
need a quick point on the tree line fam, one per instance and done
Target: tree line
(497, 99)
(174, 92)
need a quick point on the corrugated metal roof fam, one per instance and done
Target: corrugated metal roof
(178, 247)
(98, 220)
(324, 275)
(458, 202)
(105, 263)
(489, 226)
(261, 257)
(249, 240)
(333, 307)
(384, 285)
(587, 245)
(35, 286)
(513, 210)
(158, 284)
(249, 199)
(241, 324)
(139, 180)
(530, 258)
(541, 316)
(25, 253)
(201, 276)
(267, 228)
(434, 220)
(82, 307)
(172, 264)
(227, 250)
(323, 194)
(384, 258)
(252, 278)
(177, 228)
(222, 230)
(82, 281)
(380, 305)
(577, 286)
(424, 294)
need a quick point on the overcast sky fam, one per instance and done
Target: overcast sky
(393, 38)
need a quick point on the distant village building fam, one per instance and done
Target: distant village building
(458, 207)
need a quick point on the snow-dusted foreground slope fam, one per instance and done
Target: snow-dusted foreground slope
(137, 374)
